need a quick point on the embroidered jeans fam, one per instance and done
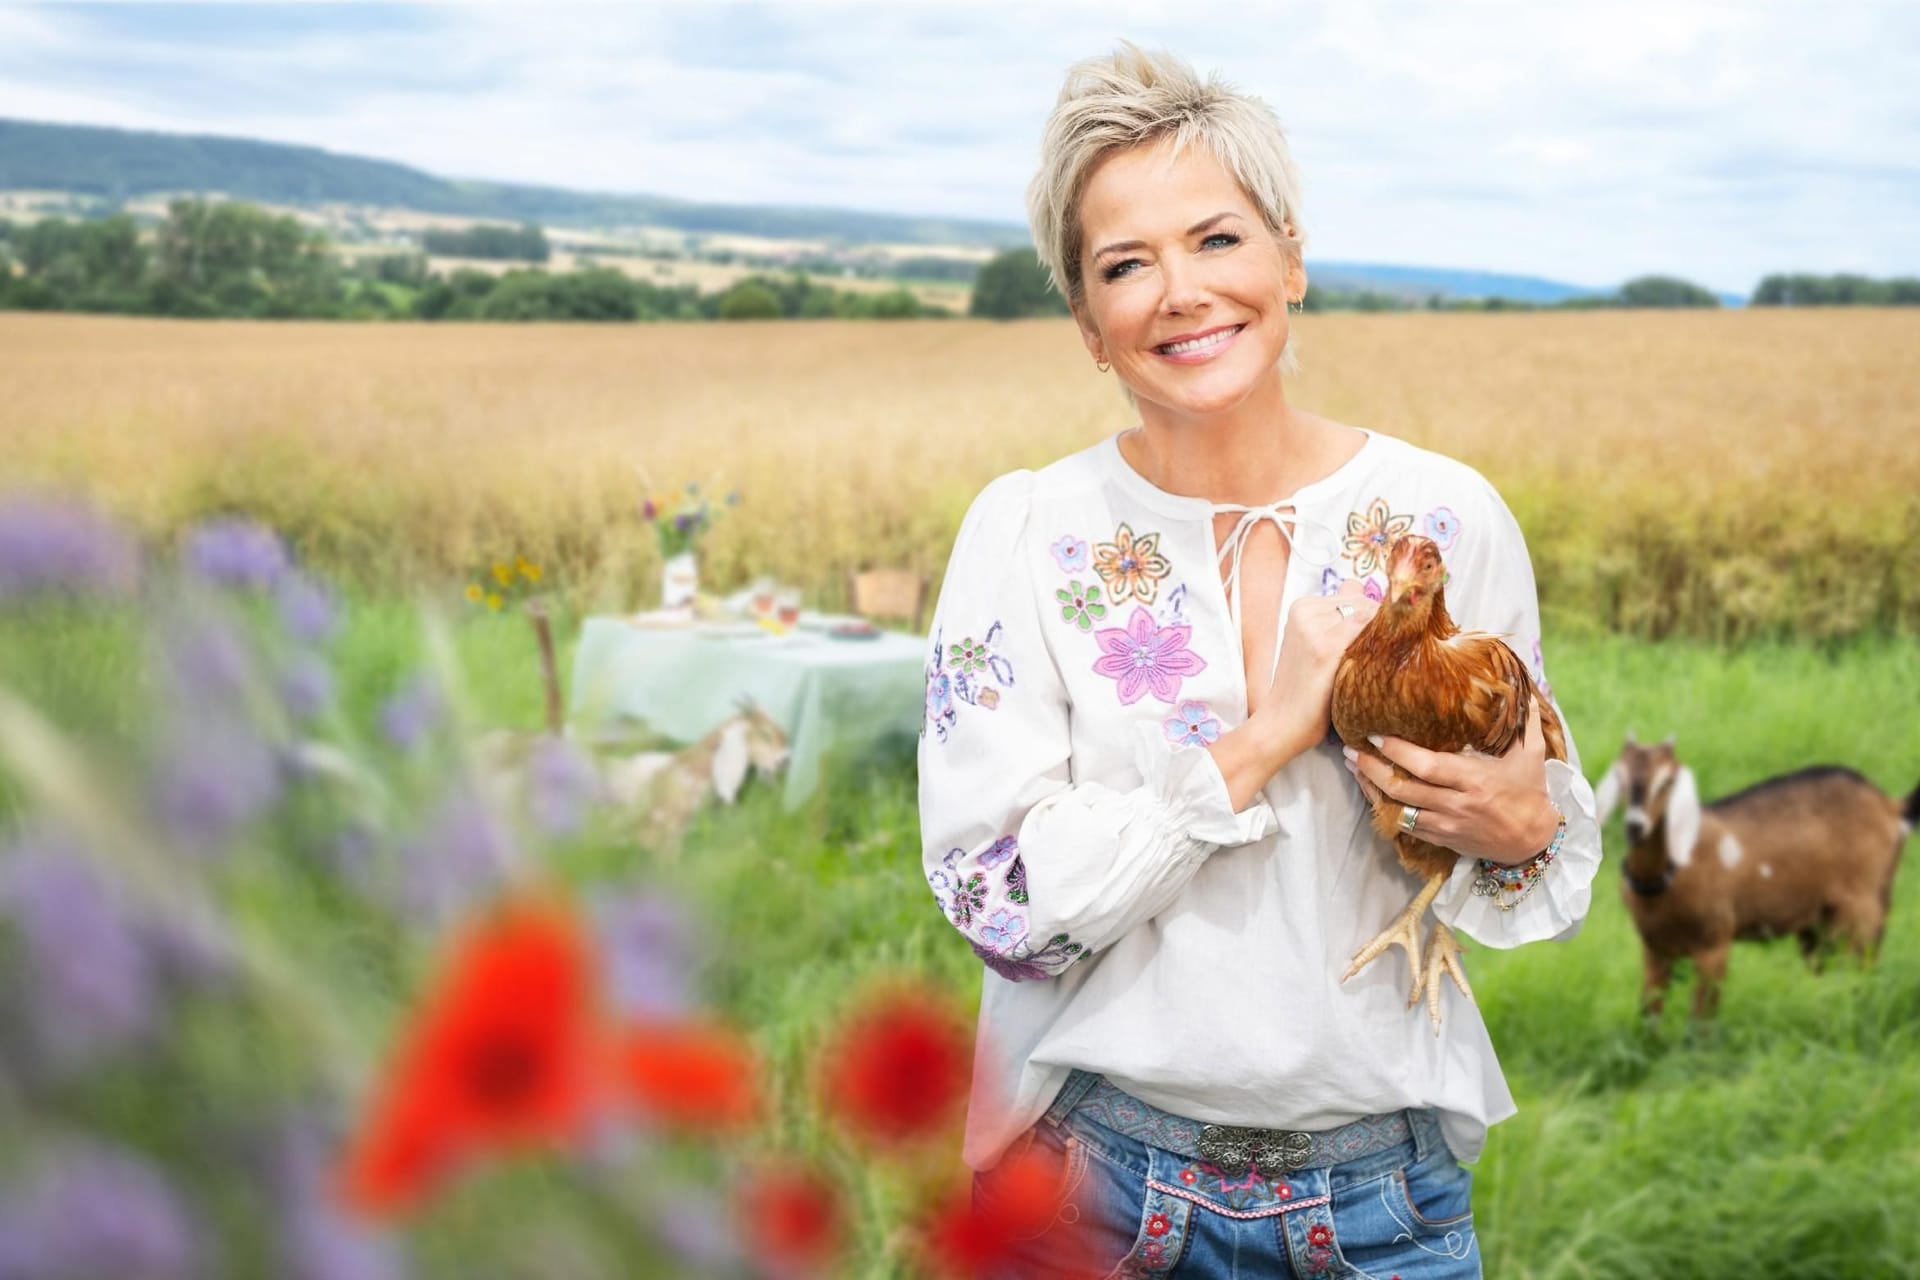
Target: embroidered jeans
(1126, 1209)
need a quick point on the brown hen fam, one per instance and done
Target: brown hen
(1412, 673)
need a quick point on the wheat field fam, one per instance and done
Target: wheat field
(1725, 475)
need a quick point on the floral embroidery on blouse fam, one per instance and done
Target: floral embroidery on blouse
(1017, 882)
(1172, 611)
(1331, 582)
(940, 709)
(1002, 930)
(1131, 565)
(1192, 725)
(1370, 533)
(1070, 553)
(1442, 526)
(1144, 656)
(1081, 605)
(998, 933)
(1540, 671)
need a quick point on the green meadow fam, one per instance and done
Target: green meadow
(1781, 1140)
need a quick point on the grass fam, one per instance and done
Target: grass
(1782, 1137)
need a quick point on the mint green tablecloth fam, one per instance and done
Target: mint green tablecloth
(684, 681)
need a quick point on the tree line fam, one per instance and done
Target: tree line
(231, 259)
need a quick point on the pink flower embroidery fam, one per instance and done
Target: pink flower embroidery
(1145, 656)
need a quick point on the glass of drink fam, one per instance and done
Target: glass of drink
(763, 597)
(787, 602)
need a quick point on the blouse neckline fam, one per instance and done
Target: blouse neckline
(1185, 506)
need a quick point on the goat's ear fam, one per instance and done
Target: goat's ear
(1668, 741)
(1631, 740)
(730, 760)
(1683, 817)
(1606, 795)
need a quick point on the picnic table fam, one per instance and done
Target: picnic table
(683, 678)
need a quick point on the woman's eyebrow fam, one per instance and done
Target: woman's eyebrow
(1121, 246)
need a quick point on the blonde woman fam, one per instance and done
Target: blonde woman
(1129, 802)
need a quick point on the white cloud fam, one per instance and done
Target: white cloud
(1712, 141)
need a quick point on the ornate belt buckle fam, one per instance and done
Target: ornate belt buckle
(1235, 1151)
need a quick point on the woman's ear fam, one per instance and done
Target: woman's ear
(1096, 346)
(1297, 280)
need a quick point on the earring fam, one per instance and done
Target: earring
(1102, 365)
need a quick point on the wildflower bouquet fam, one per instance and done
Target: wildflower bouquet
(680, 522)
(519, 580)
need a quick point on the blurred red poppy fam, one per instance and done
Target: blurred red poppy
(500, 1052)
(793, 1219)
(898, 1070)
(690, 1075)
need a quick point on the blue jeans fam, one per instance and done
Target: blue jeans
(1126, 1209)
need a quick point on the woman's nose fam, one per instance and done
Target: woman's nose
(1185, 288)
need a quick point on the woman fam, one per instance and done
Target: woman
(1129, 802)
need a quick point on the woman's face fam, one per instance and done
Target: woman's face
(1185, 290)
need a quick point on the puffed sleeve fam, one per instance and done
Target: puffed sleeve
(1490, 588)
(1038, 871)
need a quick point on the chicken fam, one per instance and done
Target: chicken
(1412, 673)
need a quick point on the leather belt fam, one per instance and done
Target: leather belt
(1234, 1151)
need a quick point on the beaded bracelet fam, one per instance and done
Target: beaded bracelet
(1496, 882)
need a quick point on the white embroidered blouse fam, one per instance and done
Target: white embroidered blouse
(1078, 833)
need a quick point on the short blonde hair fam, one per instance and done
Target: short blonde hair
(1131, 98)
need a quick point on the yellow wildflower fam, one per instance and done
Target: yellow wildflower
(503, 574)
(495, 600)
(529, 570)
(475, 592)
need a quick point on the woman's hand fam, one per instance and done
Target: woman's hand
(1298, 708)
(1492, 807)
(1297, 712)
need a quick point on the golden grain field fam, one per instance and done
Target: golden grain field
(1723, 474)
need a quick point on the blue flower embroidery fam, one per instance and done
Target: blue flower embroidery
(1442, 526)
(1002, 931)
(1193, 724)
(1070, 553)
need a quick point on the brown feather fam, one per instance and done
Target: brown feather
(1412, 673)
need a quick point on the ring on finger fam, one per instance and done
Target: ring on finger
(1408, 816)
(1346, 610)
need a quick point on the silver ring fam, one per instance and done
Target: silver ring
(1346, 610)
(1408, 816)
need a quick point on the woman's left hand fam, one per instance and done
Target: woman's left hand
(1492, 807)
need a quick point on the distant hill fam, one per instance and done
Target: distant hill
(118, 164)
(1420, 282)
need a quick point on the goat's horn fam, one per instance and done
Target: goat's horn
(1631, 740)
(1670, 738)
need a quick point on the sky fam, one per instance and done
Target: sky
(1587, 144)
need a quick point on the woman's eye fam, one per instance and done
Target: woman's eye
(1118, 269)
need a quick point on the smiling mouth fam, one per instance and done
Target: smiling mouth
(1202, 345)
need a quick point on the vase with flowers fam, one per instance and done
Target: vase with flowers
(679, 523)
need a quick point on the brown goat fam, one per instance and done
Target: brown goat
(1810, 853)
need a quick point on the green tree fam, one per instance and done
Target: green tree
(1014, 284)
(749, 300)
(1665, 291)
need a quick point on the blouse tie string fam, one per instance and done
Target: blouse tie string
(1236, 541)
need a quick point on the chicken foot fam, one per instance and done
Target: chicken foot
(1443, 956)
(1404, 932)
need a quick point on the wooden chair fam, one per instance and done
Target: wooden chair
(889, 593)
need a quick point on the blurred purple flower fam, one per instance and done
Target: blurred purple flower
(698, 1230)
(459, 858)
(683, 522)
(647, 947)
(648, 510)
(409, 715)
(306, 609)
(235, 552)
(47, 544)
(563, 786)
(92, 986)
(95, 1211)
(317, 1240)
(206, 660)
(306, 687)
(211, 783)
